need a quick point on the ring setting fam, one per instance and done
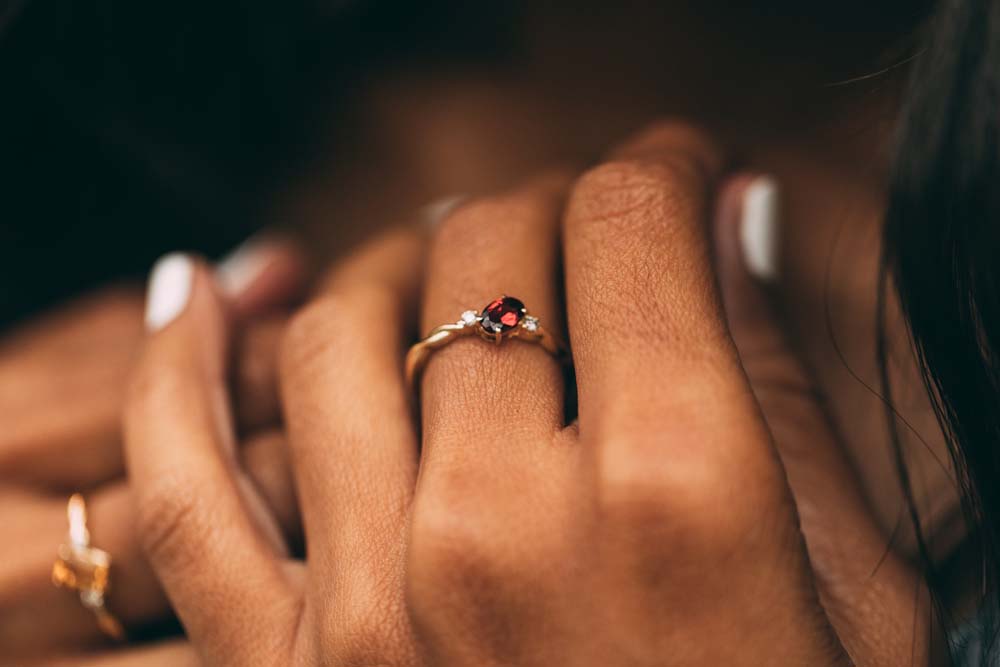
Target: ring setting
(86, 569)
(502, 318)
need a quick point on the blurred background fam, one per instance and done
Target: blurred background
(130, 128)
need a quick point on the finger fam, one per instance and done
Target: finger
(502, 245)
(37, 616)
(680, 452)
(873, 598)
(265, 272)
(267, 460)
(193, 505)
(351, 431)
(264, 275)
(62, 379)
(656, 367)
(62, 417)
(102, 320)
(255, 373)
(641, 299)
(494, 476)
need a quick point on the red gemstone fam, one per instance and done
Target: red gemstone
(502, 314)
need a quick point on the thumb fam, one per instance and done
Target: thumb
(876, 603)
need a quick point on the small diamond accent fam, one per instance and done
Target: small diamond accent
(92, 598)
(530, 323)
(469, 318)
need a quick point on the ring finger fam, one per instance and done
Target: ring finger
(504, 245)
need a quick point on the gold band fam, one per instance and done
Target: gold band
(86, 569)
(511, 320)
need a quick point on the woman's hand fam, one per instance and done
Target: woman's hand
(62, 380)
(661, 527)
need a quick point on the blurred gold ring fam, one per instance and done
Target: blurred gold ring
(86, 569)
(504, 317)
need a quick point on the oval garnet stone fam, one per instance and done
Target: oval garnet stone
(502, 314)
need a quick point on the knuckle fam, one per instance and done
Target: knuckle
(639, 224)
(168, 520)
(323, 334)
(631, 195)
(453, 582)
(446, 538)
(452, 551)
(685, 506)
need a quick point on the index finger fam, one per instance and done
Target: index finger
(195, 510)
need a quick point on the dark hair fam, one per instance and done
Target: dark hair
(942, 252)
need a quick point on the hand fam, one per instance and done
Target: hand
(62, 380)
(661, 527)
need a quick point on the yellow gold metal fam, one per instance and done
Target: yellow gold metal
(420, 353)
(86, 569)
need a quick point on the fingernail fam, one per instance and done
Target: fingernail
(439, 209)
(240, 268)
(760, 231)
(169, 290)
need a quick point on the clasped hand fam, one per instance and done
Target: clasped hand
(697, 511)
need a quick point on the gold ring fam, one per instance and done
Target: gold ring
(86, 569)
(504, 317)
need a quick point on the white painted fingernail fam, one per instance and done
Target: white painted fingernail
(439, 209)
(760, 229)
(169, 290)
(241, 267)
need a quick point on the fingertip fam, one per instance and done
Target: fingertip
(262, 273)
(185, 348)
(180, 445)
(760, 229)
(187, 317)
(169, 290)
(748, 227)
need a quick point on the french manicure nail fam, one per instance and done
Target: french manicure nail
(760, 232)
(169, 290)
(240, 268)
(439, 209)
